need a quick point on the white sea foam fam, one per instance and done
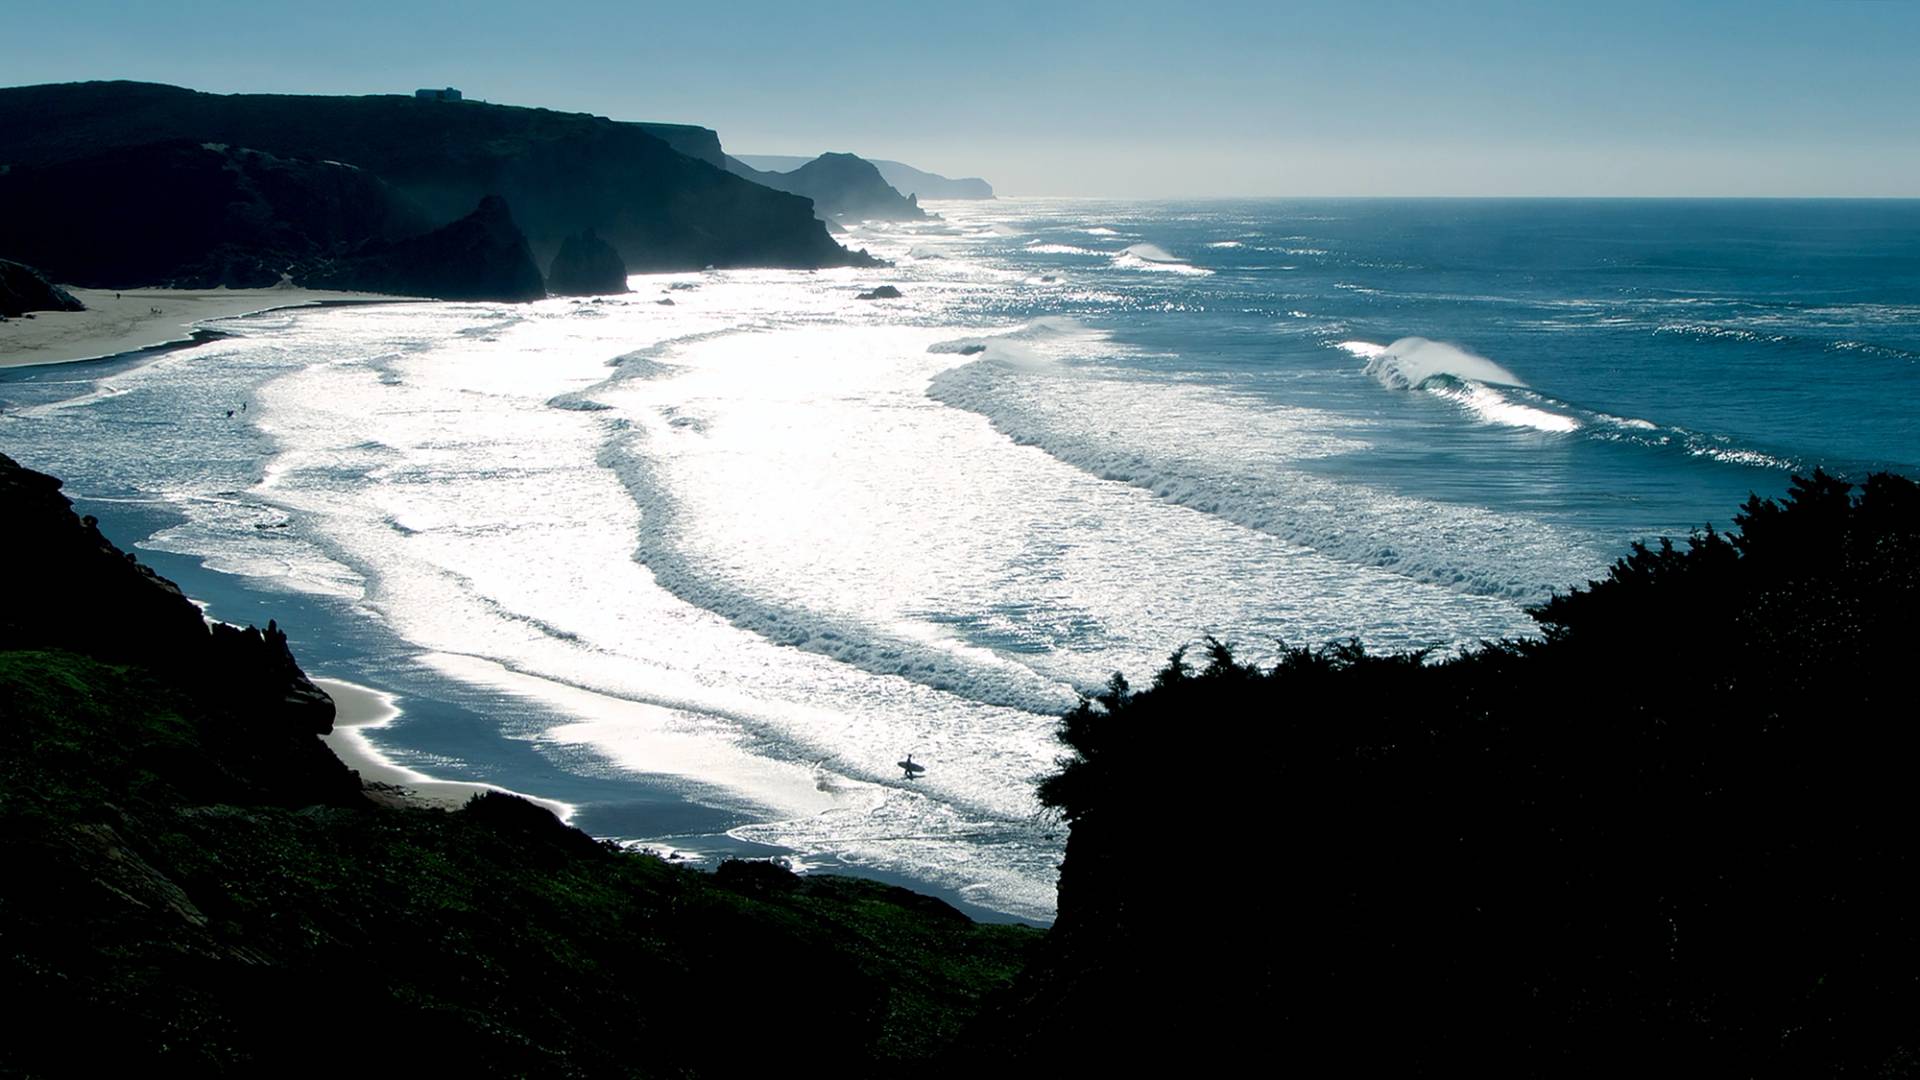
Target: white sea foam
(1494, 407)
(1240, 460)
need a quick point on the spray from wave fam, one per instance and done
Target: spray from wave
(1155, 258)
(1410, 362)
(1473, 382)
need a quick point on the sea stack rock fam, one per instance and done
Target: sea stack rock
(884, 292)
(24, 289)
(586, 266)
(483, 256)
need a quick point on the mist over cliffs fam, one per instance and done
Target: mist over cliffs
(840, 186)
(905, 179)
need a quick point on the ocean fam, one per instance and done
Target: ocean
(705, 570)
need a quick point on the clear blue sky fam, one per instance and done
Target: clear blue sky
(1146, 99)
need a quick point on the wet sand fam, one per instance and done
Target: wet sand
(359, 710)
(129, 320)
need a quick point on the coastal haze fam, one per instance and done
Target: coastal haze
(1124, 100)
(1026, 522)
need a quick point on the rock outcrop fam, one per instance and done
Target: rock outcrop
(482, 256)
(561, 172)
(884, 292)
(70, 588)
(586, 266)
(24, 289)
(840, 185)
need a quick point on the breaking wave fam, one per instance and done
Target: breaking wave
(1495, 395)
(1470, 381)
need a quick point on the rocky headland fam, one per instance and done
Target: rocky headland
(373, 168)
(903, 178)
(840, 186)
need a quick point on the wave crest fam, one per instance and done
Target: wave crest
(1410, 362)
(1155, 258)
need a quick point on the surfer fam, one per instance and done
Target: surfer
(911, 770)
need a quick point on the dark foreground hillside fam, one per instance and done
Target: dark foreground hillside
(1675, 837)
(194, 884)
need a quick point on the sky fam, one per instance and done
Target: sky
(1146, 100)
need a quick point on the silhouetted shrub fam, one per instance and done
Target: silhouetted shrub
(755, 876)
(1676, 828)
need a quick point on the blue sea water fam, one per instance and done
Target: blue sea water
(1755, 337)
(752, 547)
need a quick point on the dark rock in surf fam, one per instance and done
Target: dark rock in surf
(884, 292)
(586, 266)
(483, 256)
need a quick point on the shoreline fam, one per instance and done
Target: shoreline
(663, 813)
(117, 323)
(359, 709)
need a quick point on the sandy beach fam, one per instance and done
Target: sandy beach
(124, 321)
(358, 710)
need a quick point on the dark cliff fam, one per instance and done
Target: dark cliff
(698, 143)
(840, 185)
(191, 214)
(560, 172)
(68, 588)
